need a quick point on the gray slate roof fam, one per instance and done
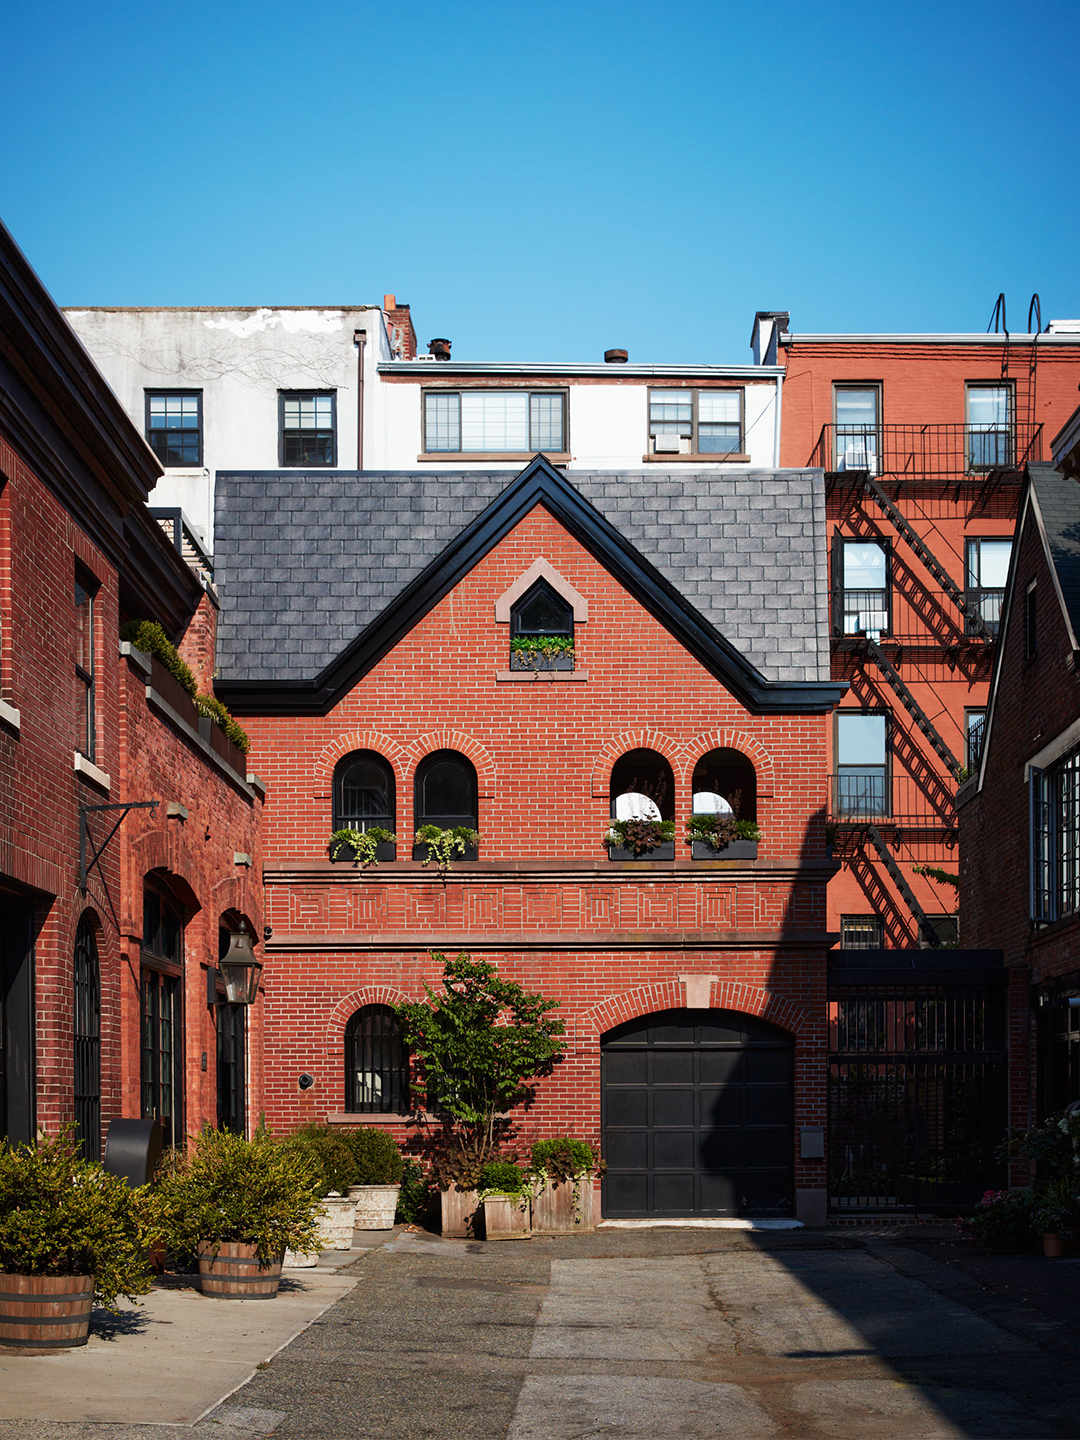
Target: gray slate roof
(305, 561)
(1059, 505)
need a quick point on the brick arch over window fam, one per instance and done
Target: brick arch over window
(739, 740)
(465, 745)
(347, 1007)
(671, 995)
(161, 854)
(344, 745)
(636, 740)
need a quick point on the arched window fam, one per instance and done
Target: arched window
(87, 1038)
(725, 782)
(376, 1063)
(642, 787)
(161, 983)
(364, 795)
(542, 630)
(445, 791)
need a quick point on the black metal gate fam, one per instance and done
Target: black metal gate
(87, 1040)
(918, 1073)
(697, 1112)
(231, 1067)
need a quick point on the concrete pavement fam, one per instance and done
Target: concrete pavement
(850, 1335)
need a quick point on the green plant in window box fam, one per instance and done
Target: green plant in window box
(720, 830)
(362, 843)
(443, 845)
(542, 652)
(639, 836)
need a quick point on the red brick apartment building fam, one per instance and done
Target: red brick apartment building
(1020, 810)
(366, 642)
(112, 913)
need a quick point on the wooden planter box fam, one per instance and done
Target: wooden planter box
(565, 1207)
(45, 1312)
(540, 662)
(231, 1271)
(423, 852)
(663, 851)
(462, 1213)
(733, 850)
(506, 1217)
(346, 854)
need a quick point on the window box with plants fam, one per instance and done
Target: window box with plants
(363, 847)
(722, 837)
(541, 652)
(563, 1194)
(459, 842)
(641, 840)
(505, 1190)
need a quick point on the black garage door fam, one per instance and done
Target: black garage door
(697, 1114)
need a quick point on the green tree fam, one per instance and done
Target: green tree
(479, 1046)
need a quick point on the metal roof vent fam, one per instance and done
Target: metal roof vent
(440, 349)
(615, 357)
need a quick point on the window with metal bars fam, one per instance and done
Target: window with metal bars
(364, 792)
(376, 1063)
(1055, 839)
(87, 1040)
(861, 932)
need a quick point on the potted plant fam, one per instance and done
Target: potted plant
(504, 1189)
(722, 837)
(1056, 1215)
(563, 1196)
(641, 840)
(376, 1176)
(541, 652)
(328, 1151)
(1002, 1221)
(239, 1205)
(479, 1045)
(363, 847)
(434, 843)
(71, 1236)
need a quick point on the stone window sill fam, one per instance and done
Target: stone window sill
(88, 769)
(698, 458)
(543, 677)
(519, 457)
(10, 716)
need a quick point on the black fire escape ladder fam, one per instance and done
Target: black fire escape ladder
(914, 709)
(900, 525)
(925, 927)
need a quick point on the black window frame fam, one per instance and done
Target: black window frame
(974, 735)
(284, 434)
(841, 590)
(394, 1098)
(975, 593)
(695, 393)
(86, 1038)
(150, 430)
(161, 992)
(446, 821)
(1054, 838)
(532, 392)
(363, 823)
(86, 675)
(870, 924)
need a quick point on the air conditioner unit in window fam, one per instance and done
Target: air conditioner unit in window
(666, 444)
(857, 457)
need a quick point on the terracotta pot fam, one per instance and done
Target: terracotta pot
(564, 1207)
(337, 1222)
(506, 1217)
(1053, 1246)
(45, 1312)
(376, 1206)
(460, 1211)
(231, 1271)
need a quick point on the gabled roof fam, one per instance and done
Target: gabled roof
(321, 574)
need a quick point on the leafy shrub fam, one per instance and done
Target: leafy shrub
(363, 843)
(1054, 1145)
(418, 1195)
(62, 1215)
(443, 845)
(211, 706)
(331, 1153)
(1003, 1220)
(376, 1159)
(503, 1177)
(1057, 1207)
(258, 1192)
(640, 836)
(720, 830)
(561, 1158)
(150, 638)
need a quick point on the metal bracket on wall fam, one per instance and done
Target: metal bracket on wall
(84, 833)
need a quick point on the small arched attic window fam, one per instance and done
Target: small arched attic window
(544, 613)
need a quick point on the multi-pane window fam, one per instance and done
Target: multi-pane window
(174, 426)
(85, 589)
(861, 932)
(1055, 839)
(376, 1063)
(495, 421)
(363, 793)
(695, 422)
(307, 428)
(857, 427)
(861, 764)
(987, 563)
(989, 426)
(862, 597)
(161, 985)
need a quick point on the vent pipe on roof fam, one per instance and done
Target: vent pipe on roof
(615, 357)
(439, 348)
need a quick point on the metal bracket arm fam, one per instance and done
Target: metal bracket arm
(84, 833)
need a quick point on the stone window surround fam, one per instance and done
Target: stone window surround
(541, 569)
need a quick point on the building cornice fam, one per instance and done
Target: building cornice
(440, 369)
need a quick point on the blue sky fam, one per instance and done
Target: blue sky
(545, 181)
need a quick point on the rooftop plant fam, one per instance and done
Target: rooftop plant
(150, 638)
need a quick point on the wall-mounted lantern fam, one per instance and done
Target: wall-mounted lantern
(240, 969)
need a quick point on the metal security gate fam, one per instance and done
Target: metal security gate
(697, 1113)
(87, 1041)
(917, 1092)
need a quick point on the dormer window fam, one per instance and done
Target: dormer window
(541, 630)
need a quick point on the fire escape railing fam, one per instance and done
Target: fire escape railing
(927, 452)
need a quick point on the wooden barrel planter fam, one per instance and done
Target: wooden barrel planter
(231, 1271)
(45, 1312)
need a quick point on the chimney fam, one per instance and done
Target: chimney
(439, 348)
(400, 327)
(615, 357)
(769, 325)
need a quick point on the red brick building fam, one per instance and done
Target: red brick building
(111, 912)
(382, 691)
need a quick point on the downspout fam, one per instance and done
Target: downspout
(776, 421)
(360, 341)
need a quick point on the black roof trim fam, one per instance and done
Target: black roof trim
(538, 484)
